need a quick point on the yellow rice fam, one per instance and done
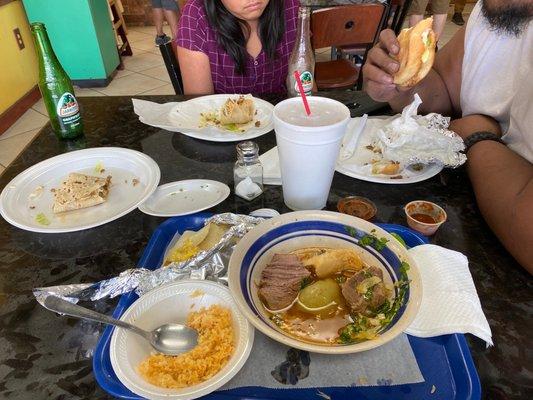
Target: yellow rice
(214, 349)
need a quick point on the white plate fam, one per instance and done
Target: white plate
(187, 114)
(172, 303)
(408, 175)
(185, 197)
(123, 165)
(355, 168)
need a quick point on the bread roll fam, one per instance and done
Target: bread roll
(417, 53)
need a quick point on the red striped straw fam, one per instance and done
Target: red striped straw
(302, 93)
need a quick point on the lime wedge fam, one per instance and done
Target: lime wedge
(399, 239)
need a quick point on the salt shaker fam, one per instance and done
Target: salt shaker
(248, 171)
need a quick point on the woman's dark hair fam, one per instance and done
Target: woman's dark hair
(231, 30)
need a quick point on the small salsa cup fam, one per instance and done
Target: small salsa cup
(424, 216)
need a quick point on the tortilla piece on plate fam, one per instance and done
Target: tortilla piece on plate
(240, 111)
(80, 191)
(385, 168)
(191, 243)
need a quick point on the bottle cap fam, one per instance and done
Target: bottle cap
(248, 150)
(37, 25)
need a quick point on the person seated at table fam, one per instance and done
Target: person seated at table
(484, 77)
(236, 46)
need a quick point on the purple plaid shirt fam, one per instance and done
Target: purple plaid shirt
(262, 74)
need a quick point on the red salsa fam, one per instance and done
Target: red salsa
(424, 218)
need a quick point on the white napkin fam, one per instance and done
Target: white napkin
(270, 163)
(351, 138)
(156, 114)
(450, 303)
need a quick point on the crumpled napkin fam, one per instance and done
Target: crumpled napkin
(450, 303)
(351, 138)
(409, 138)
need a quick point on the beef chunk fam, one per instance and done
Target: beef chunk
(281, 280)
(372, 298)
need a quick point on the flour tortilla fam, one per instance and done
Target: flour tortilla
(80, 191)
(213, 237)
(204, 239)
(240, 111)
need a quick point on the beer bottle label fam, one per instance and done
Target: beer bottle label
(307, 82)
(68, 110)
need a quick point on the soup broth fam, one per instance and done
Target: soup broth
(337, 291)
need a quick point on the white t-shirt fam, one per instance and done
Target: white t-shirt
(497, 80)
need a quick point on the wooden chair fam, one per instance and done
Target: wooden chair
(357, 24)
(169, 54)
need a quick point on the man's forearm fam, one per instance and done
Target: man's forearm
(503, 184)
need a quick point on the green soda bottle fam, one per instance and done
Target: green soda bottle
(56, 88)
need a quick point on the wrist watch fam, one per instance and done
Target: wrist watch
(479, 137)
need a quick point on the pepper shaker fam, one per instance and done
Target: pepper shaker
(248, 171)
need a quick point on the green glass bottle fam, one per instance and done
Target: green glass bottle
(56, 88)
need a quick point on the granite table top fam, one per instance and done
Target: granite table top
(45, 356)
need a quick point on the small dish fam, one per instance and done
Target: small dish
(172, 303)
(424, 216)
(185, 197)
(357, 206)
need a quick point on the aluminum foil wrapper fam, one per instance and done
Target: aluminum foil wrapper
(211, 264)
(411, 139)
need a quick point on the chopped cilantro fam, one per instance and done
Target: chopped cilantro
(351, 231)
(373, 241)
(404, 267)
(366, 240)
(368, 294)
(370, 239)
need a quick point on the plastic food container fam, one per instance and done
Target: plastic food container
(424, 216)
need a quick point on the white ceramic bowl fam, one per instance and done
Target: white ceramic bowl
(172, 303)
(300, 229)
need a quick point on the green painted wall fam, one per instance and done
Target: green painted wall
(81, 34)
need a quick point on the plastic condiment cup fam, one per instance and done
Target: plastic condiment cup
(357, 206)
(428, 210)
(308, 148)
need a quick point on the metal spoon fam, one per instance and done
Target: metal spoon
(171, 339)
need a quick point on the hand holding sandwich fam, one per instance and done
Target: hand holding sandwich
(395, 65)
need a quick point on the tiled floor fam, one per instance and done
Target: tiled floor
(144, 73)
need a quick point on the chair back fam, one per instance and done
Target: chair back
(346, 25)
(169, 54)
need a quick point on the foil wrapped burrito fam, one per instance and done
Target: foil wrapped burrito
(193, 255)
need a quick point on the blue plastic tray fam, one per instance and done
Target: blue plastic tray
(445, 361)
